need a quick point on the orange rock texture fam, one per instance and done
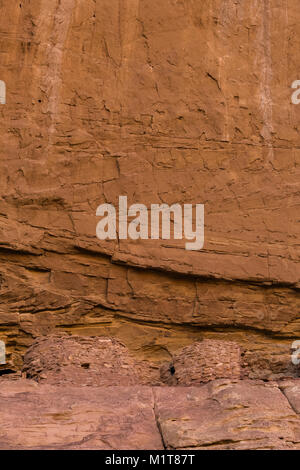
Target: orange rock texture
(79, 392)
(174, 101)
(220, 415)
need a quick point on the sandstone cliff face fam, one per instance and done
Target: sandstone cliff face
(180, 101)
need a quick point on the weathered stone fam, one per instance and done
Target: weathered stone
(226, 415)
(291, 389)
(223, 414)
(114, 98)
(36, 416)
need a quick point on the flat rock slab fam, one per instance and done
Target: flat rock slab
(222, 414)
(226, 415)
(35, 416)
(291, 389)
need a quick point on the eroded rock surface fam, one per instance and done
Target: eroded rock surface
(227, 415)
(36, 416)
(90, 393)
(291, 390)
(223, 414)
(165, 102)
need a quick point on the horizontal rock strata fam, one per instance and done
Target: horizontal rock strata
(164, 102)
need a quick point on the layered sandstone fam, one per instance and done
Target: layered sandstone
(176, 102)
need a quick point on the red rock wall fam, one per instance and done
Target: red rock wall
(180, 101)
